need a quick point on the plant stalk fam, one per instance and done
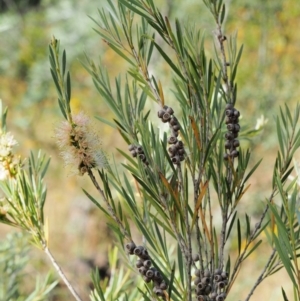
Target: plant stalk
(60, 272)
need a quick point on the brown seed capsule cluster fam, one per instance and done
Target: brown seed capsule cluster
(144, 265)
(233, 128)
(137, 151)
(209, 287)
(176, 149)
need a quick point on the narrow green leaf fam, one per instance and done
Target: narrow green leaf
(56, 82)
(169, 61)
(284, 295)
(180, 265)
(171, 282)
(252, 249)
(228, 265)
(239, 236)
(96, 202)
(64, 61)
(62, 108)
(134, 9)
(106, 122)
(120, 53)
(222, 14)
(179, 35)
(145, 232)
(68, 96)
(151, 47)
(251, 171)
(231, 224)
(279, 135)
(285, 259)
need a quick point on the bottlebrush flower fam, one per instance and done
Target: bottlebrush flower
(80, 145)
(8, 162)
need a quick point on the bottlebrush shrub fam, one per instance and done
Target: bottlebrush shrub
(173, 178)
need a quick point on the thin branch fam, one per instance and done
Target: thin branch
(60, 272)
(261, 276)
(109, 207)
(221, 39)
(189, 260)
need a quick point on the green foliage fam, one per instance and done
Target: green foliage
(13, 259)
(171, 179)
(119, 285)
(25, 195)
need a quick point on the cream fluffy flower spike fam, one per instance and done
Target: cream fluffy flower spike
(80, 145)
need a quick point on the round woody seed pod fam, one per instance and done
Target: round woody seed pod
(229, 113)
(173, 121)
(146, 279)
(157, 276)
(150, 274)
(225, 157)
(198, 291)
(236, 128)
(200, 298)
(234, 153)
(181, 158)
(133, 153)
(139, 263)
(213, 295)
(198, 273)
(218, 278)
(221, 297)
(236, 113)
(224, 275)
(172, 155)
(166, 117)
(229, 136)
(180, 151)
(176, 127)
(197, 280)
(175, 160)
(229, 106)
(147, 263)
(179, 144)
(142, 270)
(138, 250)
(221, 284)
(142, 157)
(230, 127)
(130, 247)
(172, 149)
(172, 140)
(218, 272)
(160, 113)
(140, 149)
(228, 144)
(170, 110)
(207, 289)
(165, 108)
(236, 143)
(234, 119)
(159, 292)
(206, 273)
(145, 254)
(163, 286)
(196, 257)
(205, 280)
(131, 147)
(201, 286)
(228, 120)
